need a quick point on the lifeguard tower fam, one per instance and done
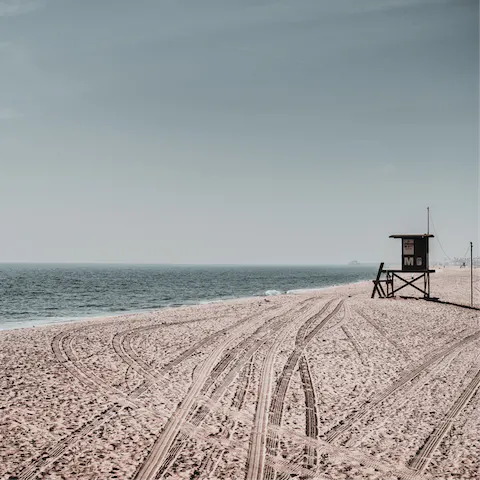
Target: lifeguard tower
(415, 262)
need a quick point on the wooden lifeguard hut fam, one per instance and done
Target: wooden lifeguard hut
(415, 263)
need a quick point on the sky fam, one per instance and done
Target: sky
(236, 131)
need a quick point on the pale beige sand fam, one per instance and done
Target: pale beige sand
(327, 384)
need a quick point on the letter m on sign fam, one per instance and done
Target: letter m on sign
(408, 261)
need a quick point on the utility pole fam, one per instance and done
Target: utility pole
(471, 273)
(428, 255)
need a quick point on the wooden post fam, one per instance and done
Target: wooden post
(377, 281)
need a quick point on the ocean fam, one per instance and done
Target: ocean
(39, 294)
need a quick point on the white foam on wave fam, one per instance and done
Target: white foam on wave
(208, 302)
(273, 292)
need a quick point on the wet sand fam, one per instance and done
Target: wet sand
(327, 384)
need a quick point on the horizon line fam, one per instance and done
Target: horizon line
(13, 262)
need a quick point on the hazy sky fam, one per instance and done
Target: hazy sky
(236, 131)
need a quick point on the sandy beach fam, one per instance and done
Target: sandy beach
(326, 384)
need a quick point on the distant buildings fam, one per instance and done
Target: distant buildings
(459, 261)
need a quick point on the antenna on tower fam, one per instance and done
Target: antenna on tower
(428, 220)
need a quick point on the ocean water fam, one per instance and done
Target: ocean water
(44, 294)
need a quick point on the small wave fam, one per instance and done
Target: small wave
(208, 302)
(273, 292)
(299, 291)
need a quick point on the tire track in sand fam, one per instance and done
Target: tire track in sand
(355, 343)
(407, 377)
(257, 454)
(121, 343)
(62, 348)
(384, 334)
(311, 414)
(148, 470)
(425, 454)
(209, 434)
(170, 441)
(239, 356)
(302, 340)
(442, 366)
(240, 393)
(256, 460)
(55, 452)
(213, 461)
